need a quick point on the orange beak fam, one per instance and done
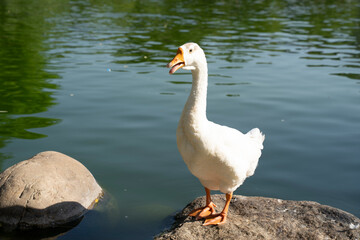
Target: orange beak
(178, 62)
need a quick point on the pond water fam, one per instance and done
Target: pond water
(88, 78)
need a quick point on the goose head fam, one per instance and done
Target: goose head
(189, 57)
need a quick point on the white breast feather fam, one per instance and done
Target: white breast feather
(221, 157)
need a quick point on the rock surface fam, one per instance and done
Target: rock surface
(48, 190)
(266, 218)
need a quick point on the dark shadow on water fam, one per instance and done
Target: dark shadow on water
(28, 223)
(168, 222)
(37, 234)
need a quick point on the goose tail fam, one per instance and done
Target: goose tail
(257, 136)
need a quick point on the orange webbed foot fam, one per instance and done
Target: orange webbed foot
(203, 212)
(215, 219)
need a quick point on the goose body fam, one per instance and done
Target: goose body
(219, 156)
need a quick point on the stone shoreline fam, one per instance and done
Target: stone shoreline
(266, 218)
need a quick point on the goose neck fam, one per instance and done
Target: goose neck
(196, 104)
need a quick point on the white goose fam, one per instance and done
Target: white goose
(219, 156)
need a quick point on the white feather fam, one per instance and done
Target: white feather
(219, 156)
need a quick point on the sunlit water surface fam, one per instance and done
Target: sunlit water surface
(88, 79)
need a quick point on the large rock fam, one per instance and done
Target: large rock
(266, 218)
(48, 190)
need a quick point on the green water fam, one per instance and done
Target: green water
(88, 79)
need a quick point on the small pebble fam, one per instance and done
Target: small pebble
(353, 226)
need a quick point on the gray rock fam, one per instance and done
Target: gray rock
(48, 190)
(266, 218)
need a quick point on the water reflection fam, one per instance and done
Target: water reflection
(239, 31)
(348, 75)
(25, 86)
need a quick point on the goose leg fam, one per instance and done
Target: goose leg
(206, 211)
(220, 218)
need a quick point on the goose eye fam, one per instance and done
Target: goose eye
(190, 50)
